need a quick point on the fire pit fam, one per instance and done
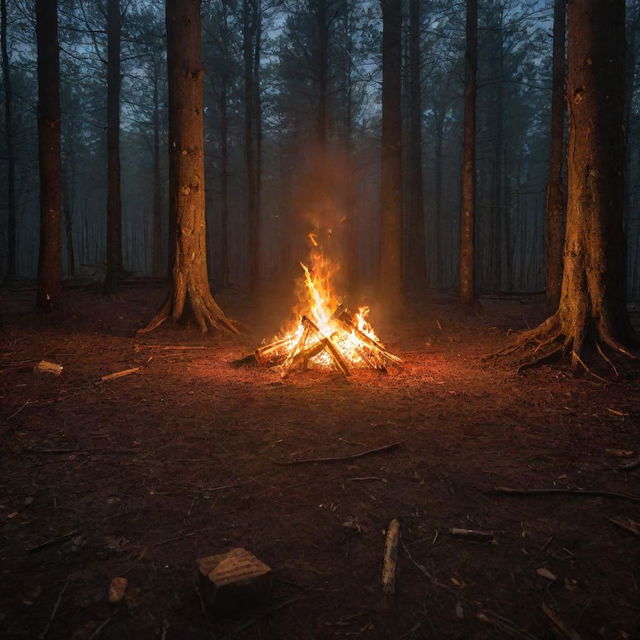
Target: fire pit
(325, 334)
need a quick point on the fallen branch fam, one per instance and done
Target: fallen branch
(386, 447)
(120, 374)
(51, 542)
(627, 524)
(567, 630)
(390, 562)
(507, 491)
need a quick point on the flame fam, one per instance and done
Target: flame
(323, 332)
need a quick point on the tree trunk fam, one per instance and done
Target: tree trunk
(48, 153)
(498, 177)
(556, 198)
(323, 72)
(67, 208)
(630, 73)
(417, 253)
(8, 133)
(437, 209)
(248, 36)
(189, 278)
(158, 269)
(468, 204)
(224, 178)
(592, 306)
(257, 53)
(114, 205)
(390, 263)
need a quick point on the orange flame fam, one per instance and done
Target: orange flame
(321, 320)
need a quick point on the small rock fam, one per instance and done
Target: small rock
(116, 589)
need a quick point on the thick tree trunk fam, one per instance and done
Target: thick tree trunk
(498, 177)
(190, 281)
(437, 209)
(257, 54)
(67, 209)
(323, 71)
(468, 204)
(158, 268)
(417, 254)
(556, 198)
(248, 35)
(11, 271)
(224, 178)
(351, 239)
(114, 205)
(390, 263)
(592, 306)
(48, 153)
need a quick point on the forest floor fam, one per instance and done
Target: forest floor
(127, 478)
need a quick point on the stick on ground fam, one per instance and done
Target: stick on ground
(390, 558)
(567, 630)
(386, 447)
(507, 491)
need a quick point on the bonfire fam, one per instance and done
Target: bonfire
(324, 333)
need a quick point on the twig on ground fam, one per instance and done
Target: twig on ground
(627, 524)
(507, 491)
(505, 625)
(52, 542)
(181, 537)
(343, 458)
(16, 412)
(99, 629)
(411, 631)
(629, 466)
(423, 570)
(250, 623)
(567, 630)
(233, 486)
(45, 631)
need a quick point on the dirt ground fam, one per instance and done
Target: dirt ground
(131, 478)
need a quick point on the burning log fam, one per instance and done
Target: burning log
(343, 316)
(331, 348)
(325, 333)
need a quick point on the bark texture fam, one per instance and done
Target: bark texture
(467, 214)
(114, 203)
(416, 248)
(556, 197)
(390, 267)
(11, 271)
(49, 154)
(189, 278)
(592, 308)
(250, 17)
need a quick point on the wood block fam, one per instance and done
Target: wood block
(233, 580)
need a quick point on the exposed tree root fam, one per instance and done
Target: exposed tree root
(207, 313)
(551, 340)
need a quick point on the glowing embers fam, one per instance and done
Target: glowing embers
(324, 334)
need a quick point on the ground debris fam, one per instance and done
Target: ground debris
(233, 580)
(44, 366)
(117, 589)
